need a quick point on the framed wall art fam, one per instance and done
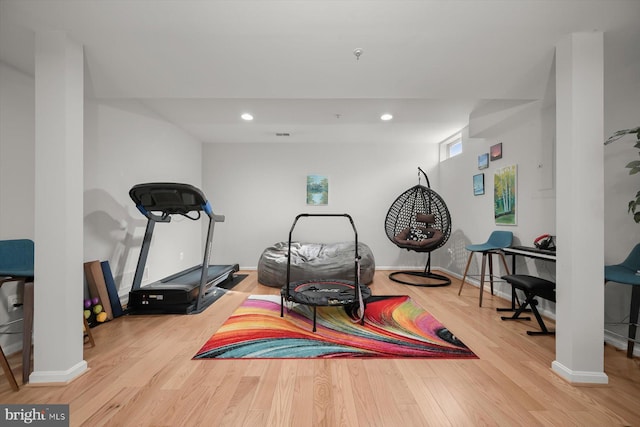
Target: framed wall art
(317, 190)
(478, 184)
(496, 151)
(505, 195)
(483, 161)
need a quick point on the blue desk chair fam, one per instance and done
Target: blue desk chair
(16, 265)
(627, 273)
(497, 240)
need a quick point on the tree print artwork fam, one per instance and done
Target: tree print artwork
(317, 190)
(505, 195)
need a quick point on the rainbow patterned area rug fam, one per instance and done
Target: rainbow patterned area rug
(395, 327)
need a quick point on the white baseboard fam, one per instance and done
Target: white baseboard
(497, 292)
(579, 377)
(620, 343)
(58, 377)
(395, 267)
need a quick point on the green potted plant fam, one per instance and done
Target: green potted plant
(634, 166)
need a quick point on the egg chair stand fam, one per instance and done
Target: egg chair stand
(419, 221)
(435, 279)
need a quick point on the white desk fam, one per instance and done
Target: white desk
(528, 252)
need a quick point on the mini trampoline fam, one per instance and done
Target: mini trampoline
(325, 292)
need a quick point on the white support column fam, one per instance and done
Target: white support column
(580, 209)
(59, 103)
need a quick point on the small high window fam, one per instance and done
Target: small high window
(451, 147)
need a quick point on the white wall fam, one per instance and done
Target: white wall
(17, 144)
(526, 138)
(126, 144)
(17, 141)
(260, 188)
(622, 111)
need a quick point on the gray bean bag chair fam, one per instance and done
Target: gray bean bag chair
(315, 261)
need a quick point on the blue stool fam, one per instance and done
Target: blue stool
(497, 240)
(16, 265)
(628, 273)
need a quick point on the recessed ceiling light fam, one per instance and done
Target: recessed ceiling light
(386, 117)
(247, 117)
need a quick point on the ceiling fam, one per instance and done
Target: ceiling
(201, 63)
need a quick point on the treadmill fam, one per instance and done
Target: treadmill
(190, 291)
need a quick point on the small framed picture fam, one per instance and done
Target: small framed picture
(496, 151)
(317, 190)
(478, 184)
(483, 161)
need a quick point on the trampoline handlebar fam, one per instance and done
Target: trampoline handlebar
(305, 215)
(355, 232)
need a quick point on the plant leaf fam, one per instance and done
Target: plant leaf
(636, 217)
(619, 134)
(634, 171)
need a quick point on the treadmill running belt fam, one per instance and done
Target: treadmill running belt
(192, 275)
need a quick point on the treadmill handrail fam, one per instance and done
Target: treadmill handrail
(150, 215)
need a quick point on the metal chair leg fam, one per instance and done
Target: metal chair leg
(491, 270)
(27, 330)
(482, 273)
(504, 262)
(633, 319)
(87, 332)
(7, 371)
(465, 272)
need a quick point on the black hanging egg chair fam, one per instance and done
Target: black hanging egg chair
(418, 220)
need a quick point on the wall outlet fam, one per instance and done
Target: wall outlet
(12, 300)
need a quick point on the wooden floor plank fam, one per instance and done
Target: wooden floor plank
(142, 373)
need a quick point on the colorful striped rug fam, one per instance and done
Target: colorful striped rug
(395, 327)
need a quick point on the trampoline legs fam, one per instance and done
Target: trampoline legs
(314, 318)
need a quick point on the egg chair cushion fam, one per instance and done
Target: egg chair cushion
(418, 238)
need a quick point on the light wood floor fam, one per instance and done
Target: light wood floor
(141, 374)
